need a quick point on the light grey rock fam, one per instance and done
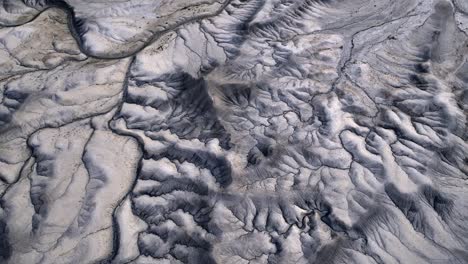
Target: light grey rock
(14, 13)
(242, 131)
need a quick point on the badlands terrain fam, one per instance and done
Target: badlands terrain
(233, 131)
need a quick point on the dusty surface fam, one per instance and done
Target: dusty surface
(234, 131)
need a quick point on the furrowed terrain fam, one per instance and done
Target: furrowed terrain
(233, 131)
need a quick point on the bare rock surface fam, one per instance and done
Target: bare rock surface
(234, 131)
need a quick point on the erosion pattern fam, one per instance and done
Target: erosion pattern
(233, 131)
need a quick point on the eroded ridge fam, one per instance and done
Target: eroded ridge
(235, 131)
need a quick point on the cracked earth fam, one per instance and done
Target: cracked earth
(233, 131)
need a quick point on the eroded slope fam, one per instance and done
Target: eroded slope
(234, 132)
